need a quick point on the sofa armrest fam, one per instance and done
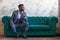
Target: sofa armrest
(6, 22)
(52, 23)
(5, 19)
(53, 19)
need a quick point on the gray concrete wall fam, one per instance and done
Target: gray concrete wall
(32, 7)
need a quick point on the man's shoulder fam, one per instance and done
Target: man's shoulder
(15, 11)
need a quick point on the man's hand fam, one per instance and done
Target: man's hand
(11, 22)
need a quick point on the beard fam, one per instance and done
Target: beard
(22, 9)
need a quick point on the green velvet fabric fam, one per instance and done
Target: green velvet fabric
(38, 26)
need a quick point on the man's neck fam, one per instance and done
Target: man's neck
(21, 11)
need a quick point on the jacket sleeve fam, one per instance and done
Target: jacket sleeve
(25, 17)
(12, 17)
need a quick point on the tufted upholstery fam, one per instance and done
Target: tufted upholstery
(35, 24)
(38, 20)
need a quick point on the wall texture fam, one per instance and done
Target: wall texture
(32, 7)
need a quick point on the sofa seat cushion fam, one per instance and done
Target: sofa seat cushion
(33, 28)
(39, 27)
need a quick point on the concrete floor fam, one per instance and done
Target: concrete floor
(30, 38)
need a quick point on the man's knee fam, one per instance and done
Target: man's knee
(13, 27)
(26, 26)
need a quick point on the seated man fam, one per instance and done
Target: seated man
(19, 19)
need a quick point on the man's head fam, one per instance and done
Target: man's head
(21, 7)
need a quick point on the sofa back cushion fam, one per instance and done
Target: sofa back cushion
(38, 20)
(33, 20)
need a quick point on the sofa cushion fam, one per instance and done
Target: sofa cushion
(38, 20)
(34, 20)
(39, 27)
(32, 28)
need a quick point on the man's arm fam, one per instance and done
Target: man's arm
(12, 18)
(25, 17)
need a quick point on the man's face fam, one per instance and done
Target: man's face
(21, 8)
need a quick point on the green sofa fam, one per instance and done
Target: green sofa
(38, 26)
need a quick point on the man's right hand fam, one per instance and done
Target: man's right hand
(11, 22)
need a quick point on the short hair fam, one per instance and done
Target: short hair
(20, 5)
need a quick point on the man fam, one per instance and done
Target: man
(19, 19)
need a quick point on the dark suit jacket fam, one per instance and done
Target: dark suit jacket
(15, 14)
